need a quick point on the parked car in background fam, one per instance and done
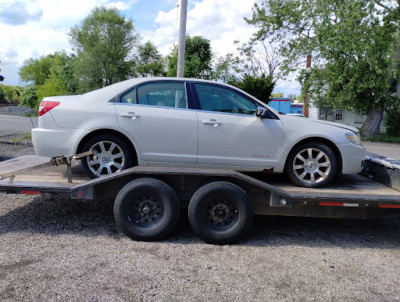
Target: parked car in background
(192, 123)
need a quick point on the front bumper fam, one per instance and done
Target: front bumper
(352, 158)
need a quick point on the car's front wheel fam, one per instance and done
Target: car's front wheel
(312, 165)
(110, 154)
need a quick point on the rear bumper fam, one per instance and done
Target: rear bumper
(352, 158)
(56, 142)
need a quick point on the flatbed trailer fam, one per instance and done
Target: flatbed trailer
(220, 203)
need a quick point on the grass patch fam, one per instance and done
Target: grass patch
(384, 138)
(22, 138)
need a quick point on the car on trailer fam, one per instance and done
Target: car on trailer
(192, 123)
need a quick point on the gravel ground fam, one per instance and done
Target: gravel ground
(68, 250)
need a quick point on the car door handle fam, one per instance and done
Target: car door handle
(130, 115)
(213, 123)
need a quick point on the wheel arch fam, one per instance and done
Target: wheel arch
(322, 140)
(107, 131)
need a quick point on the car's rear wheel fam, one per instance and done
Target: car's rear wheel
(312, 165)
(111, 154)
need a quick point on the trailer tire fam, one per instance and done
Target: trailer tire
(146, 209)
(220, 212)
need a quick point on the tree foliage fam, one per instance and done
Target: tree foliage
(36, 71)
(260, 57)
(52, 87)
(353, 46)
(2, 96)
(149, 61)
(198, 58)
(260, 87)
(57, 65)
(10, 94)
(226, 68)
(103, 43)
(29, 97)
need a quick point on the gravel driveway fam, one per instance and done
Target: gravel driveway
(69, 250)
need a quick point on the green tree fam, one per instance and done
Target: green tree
(352, 44)
(393, 122)
(226, 68)
(29, 97)
(149, 61)
(103, 43)
(260, 87)
(198, 58)
(277, 95)
(53, 66)
(2, 95)
(36, 70)
(52, 87)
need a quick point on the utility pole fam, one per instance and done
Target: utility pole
(182, 36)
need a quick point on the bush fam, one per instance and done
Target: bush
(393, 122)
(29, 97)
(2, 95)
(260, 87)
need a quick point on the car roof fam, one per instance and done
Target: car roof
(111, 91)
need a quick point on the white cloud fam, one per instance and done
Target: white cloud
(120, 5)
(34, 28)
(18, 12)
(221, 22)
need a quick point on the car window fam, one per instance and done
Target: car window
(171, 94)
(129, 97)
(216, 98)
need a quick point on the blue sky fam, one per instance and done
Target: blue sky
(34, 28)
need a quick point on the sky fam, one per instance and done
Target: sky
(34, 28)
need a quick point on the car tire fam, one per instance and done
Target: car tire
(147, 209)
(220, 213)
(312, 165)
(111, 154)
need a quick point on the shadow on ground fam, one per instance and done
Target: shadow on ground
(95, 218)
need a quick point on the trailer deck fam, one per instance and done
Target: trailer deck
(350, 196)
(36, 172)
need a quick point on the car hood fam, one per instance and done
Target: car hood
(353, 129)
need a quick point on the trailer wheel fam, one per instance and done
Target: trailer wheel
(220, 212)
(146, 209)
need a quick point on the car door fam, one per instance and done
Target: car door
(230, 133)
(156, 117)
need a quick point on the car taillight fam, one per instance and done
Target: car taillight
(46, 106)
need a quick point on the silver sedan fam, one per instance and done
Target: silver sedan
(192, 123)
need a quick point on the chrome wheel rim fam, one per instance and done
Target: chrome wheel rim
(107, 158)
(311, 166)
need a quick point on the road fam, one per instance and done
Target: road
(385, 149)
(10, 124)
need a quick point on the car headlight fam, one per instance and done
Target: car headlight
(354, 138)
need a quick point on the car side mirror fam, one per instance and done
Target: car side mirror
(260, 111)
(265, 113)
